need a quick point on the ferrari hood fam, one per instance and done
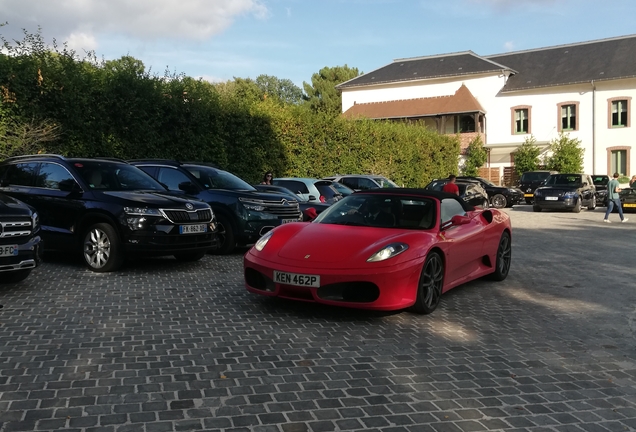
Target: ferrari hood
(327, 243)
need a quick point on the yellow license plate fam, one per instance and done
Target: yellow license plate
(528, 195)
(629, 205)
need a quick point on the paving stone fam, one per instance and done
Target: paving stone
(162, 345)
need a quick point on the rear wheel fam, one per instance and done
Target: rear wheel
(15, 276)
(504, 258)
(485, 204)
(429, 290)
(189, 256)
(536, 208)
(225, 234)
(102, 248)
(499, 201)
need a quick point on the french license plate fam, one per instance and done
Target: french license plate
(193, 229)
(629, 205)
(284, 221)
(551, 198)
(8, 250)
(297, 279)
(528, 195)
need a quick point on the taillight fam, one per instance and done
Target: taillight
(322, 199)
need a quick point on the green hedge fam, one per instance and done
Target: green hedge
(119, 109)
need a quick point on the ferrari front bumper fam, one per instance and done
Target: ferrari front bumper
(383, 288)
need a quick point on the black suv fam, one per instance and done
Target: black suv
(243, 213)
(601, 181)
(566, 192)
(20, 245)
(470, 191)
(530, 181)
(108, 210)
(499, 196)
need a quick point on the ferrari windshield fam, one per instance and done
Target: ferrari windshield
(113, 176)
(381, 211)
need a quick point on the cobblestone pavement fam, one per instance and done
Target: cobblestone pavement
(165, 346)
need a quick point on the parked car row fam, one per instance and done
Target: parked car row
(108, 210)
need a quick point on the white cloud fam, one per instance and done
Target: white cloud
(509, 46)
(81, 41)
(84, 20)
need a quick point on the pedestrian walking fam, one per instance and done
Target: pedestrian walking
(267, 178)
(613, 199)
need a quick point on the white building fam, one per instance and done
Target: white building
(584, 89)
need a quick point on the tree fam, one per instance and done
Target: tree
(283, 90)
(321, 94)
(476, 157)
(567, 154)
(527, 156)
(19, 137)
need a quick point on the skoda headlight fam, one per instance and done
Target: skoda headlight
(570, 195)
(136, 217)
(141, 211)
(260, 244)
(254, 205)
(388, 251)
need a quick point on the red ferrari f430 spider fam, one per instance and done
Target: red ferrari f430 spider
(382, 249)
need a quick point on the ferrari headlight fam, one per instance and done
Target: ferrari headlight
(260, 244)
(141, 211)
(388, 251)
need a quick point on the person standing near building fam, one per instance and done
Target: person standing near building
(613, 199)
(451, 187)
(632, 182)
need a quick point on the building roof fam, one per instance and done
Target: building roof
(411, 69)
(597, 60)
(462, 101)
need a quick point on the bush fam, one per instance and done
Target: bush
(567, 154)
(476, 157)
(527, 156)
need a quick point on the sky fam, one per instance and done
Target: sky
(219, 40)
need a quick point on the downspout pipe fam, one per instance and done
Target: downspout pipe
(593, 127)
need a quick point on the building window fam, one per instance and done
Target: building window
(619, 112)
(568, 117)
(619, 162)
(466, 123)
(521, 120)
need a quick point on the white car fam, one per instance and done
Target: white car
(362, 182)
